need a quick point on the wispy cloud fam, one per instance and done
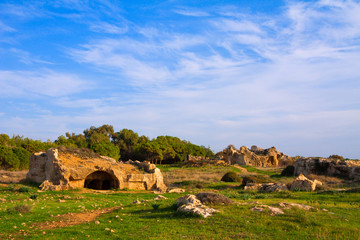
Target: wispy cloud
(289, 80)
(6, 28)
(42, 82)
(108, 28)
(191, 12)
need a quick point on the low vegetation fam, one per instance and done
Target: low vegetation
(231, 177)
(122, 145)
(26, 213)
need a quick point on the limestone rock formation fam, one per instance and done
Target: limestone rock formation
(64, 169)
(190, 204)
(254, 157)
(302, 183)
(349, 169)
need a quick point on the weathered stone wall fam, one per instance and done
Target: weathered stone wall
(61, 170)
(349, 169)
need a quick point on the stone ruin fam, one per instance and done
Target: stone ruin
(255, 156)
(59, 169)
(348, 169)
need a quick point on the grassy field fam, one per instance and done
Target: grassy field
(26, 213)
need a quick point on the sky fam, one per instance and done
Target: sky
(266, 73)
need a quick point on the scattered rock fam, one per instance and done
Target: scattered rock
(136, 201)
(97, 222)
(275, 211)
(159, 197)
(266, 187)
(253, 186)
(257, 209)
(61, 201)
(200, 210)
(292, 205)
(274, 187)
(190, 204)
(188, 199)
(213, 198)
(176, 190)
(302, 183)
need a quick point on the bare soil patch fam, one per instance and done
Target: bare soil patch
(71, 219)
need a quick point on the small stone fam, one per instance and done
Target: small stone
(97, 222)
(159, 197)
(136, 201)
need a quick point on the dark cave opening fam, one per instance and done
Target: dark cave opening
(101, 180)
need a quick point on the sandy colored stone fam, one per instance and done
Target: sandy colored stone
(329, 167)
(159, 197)
(176, 190)
(254, 157)
(61, 170)
(302, 183)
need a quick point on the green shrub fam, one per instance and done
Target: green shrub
(334, 156)
(255, 179)
(35, 196)
(231, 177)
(155, 206)
(22, 208)
(24, 189)
(288, 171)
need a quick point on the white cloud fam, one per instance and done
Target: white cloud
(43, 82)
(191, 12)
(290, 81)
(108, 28)
(6, 28)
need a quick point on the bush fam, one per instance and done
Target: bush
(155, 206)
(24, 189)
(255, 179)
(231, 177)
(22, 208)
(213, 198)
(334, 156)
(288, 171)
(34, 197)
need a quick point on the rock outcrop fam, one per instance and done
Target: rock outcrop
(302, 183)
(64, 169)
(266, 187)
(349, 169)
(190, 204)
(254, 157)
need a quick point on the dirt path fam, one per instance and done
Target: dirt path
(71, 219)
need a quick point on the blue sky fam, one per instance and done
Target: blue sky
(266, 73)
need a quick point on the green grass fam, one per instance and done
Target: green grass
(144, 221)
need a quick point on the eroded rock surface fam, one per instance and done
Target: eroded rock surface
(190, 204)
(62, 170)
(349, 169)
(302, 183)
(254, 157)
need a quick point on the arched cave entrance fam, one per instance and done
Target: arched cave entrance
(101, 180)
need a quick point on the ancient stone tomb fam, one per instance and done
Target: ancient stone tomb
(62, 169)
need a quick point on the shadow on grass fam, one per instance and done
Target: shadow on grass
(168, 212)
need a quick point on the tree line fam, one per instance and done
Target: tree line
(122, 145)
